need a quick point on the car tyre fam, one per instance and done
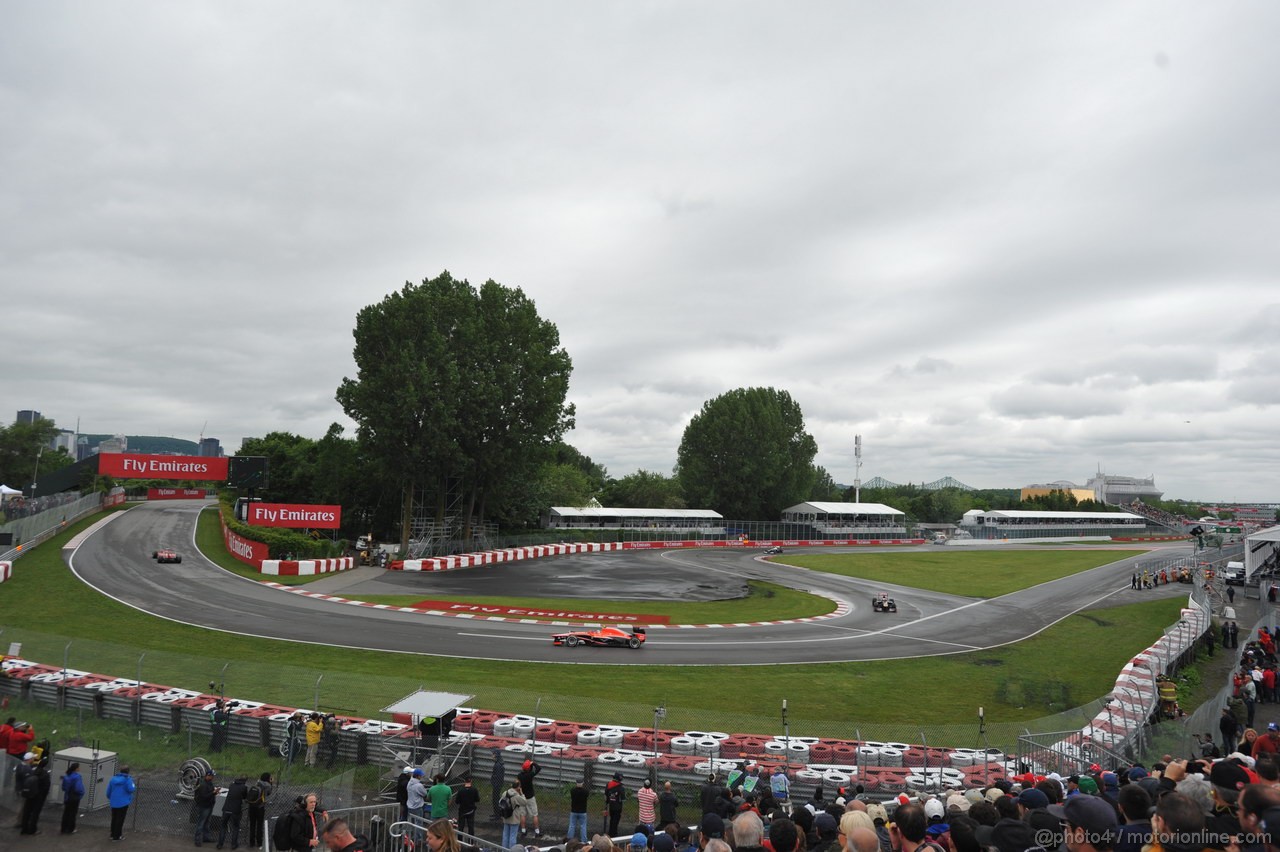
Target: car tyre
(571, 641)
(178, 560)
(633, 642)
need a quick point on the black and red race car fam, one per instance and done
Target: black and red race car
(167, 556)
(608, 637)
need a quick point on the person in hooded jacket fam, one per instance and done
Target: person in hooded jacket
(232, 809)
(72, 793)
(35, 790)
(120, 790)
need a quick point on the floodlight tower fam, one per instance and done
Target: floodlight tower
(857, 468)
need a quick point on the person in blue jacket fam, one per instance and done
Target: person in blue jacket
(72, 793)
(120, 790)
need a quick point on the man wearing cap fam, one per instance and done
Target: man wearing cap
(578, 797)
(416, 793)
(711, 828)
(614, 795)
(1033, 809)
(204, 797)
(528, 771)
(663, 842)
(1091, 824)
(827, 830)
(639, 842)
(1227, 778)
(1268, 743)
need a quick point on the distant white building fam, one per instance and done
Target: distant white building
(1123, 490)
(114, 444)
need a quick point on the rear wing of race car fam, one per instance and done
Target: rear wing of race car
(639, 631)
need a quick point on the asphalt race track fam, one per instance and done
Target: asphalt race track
(116, 561)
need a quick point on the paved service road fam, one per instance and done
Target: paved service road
(116, 560)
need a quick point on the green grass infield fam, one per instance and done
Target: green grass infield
(979, 574)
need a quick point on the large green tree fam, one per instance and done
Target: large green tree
(643, 489)
(21, 444)
(458, 390)
(747, 455)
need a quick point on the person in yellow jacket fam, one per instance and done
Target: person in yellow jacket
(315, 729)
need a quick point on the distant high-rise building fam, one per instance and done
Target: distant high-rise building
(65, 440)
(1121, 490)
(114, 444)
(82, 448)
(28, 417)
(210, 447)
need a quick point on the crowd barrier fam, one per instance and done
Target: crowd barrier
(6, 571)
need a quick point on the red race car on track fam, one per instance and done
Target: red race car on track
(167, 556)
(611, 637)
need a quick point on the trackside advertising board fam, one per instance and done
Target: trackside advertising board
(176, 493)
(296, 515)
(132, 466)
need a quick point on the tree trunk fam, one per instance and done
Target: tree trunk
(406, 516)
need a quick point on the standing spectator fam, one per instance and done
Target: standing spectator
(578, 797)
(525, 776)
(614, 795)
(257, 797)
(668, 806)
(232, 810)
(20, 739)
(206, 795)
(1234, 630)
(402, 792)
(307, 820)
(1249, 695)
(219, 719)
(468, 801)
(1135, 808)
(34, 790)
(72, 793)
(646, 799)
(780, 785)
(1231, 594)
(330, 739)
(314, 729)
(513, 803)
(5, 730)
(120, 790)
(1091, 824)
(337, 837)
(440, 794)
(292, 732)
(417, 795)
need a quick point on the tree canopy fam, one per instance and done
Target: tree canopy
(458, 390)
(747, 455)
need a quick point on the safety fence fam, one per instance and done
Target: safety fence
(53, 519)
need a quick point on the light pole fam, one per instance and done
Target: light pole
(36, 473)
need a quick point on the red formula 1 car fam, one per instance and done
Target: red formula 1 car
(883, 603)
(167, 556)
(610, 637)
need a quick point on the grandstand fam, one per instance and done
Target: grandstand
(1017, 523)
(602, 518)
(848, 520)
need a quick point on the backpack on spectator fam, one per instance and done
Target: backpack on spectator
(280, 838)
(254, 796)
(506, 808)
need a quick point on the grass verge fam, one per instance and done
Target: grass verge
(763, 602)
(1016, 683)
(984, 574)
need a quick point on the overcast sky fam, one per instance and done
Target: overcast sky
(1006, 242)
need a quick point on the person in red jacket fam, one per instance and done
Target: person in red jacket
(20, 740)
(4, 734)
(1268, 743)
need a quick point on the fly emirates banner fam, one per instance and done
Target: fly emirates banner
(130, 466)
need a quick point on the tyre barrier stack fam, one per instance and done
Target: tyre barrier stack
(565, 748)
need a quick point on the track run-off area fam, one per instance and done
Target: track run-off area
(115, 559)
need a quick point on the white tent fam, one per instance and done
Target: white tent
(1260, 549)
(6, 492)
